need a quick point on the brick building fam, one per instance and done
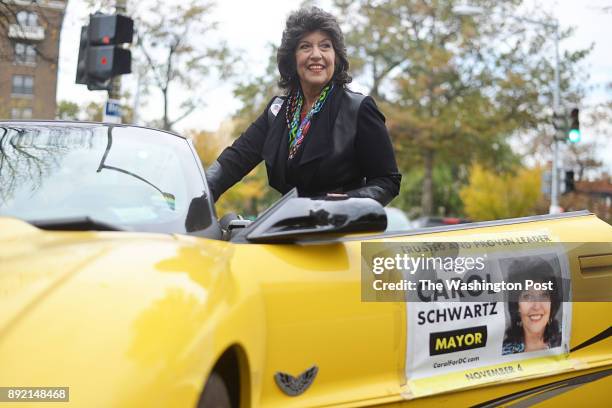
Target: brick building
(29, 53)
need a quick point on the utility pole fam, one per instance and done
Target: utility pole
(112, 109)
(115, 92)
(554, 191)
(103, 57)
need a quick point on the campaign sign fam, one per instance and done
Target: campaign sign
(477, 312)
(461, 336)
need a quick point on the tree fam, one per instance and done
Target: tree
(254, 93)
(8, 17)
(454, 89)
(67, 110)
(583, 156)
(208, 145)
(172, 44)
(446, 185)
(490, 196)
(253, 194)
(93, 112)
(171, 53)
(248, 197)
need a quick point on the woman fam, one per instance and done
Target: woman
(532, 313)
(320, 137)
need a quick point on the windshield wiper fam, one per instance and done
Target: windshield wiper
(168, 197)
(75, 224)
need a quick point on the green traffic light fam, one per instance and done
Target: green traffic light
(574, 136)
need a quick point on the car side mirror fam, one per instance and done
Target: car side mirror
(238, 224)
(300, 218)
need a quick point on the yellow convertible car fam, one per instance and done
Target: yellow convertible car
(120, 288)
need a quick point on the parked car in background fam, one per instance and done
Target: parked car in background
(431, 221)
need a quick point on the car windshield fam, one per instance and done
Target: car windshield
(134, 178)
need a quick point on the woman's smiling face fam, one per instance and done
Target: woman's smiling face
(534, 309)
(315, 60)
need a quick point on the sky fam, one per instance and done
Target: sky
(240, 25)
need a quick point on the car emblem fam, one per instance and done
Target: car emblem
(293, 386)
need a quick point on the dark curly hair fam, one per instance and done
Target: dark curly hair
(538, 270)
(300, 23)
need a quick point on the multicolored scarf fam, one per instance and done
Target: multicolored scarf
(297, 128)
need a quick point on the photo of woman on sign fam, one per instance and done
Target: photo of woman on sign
(533, 310)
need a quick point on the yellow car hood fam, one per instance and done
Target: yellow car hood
(107, 314)
(34, 265)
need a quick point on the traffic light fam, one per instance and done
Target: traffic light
(569, 182)
(101, 56)
(107, 29)
(574, 135)
(81, 74)
(107, 61)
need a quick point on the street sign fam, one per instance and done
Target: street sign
(112, 111)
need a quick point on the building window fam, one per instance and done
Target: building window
(21, 113)
(23, 84)
(27, 18)
(25, 53)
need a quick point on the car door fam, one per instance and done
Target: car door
(315, 318)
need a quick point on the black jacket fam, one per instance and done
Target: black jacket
(346, 150)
